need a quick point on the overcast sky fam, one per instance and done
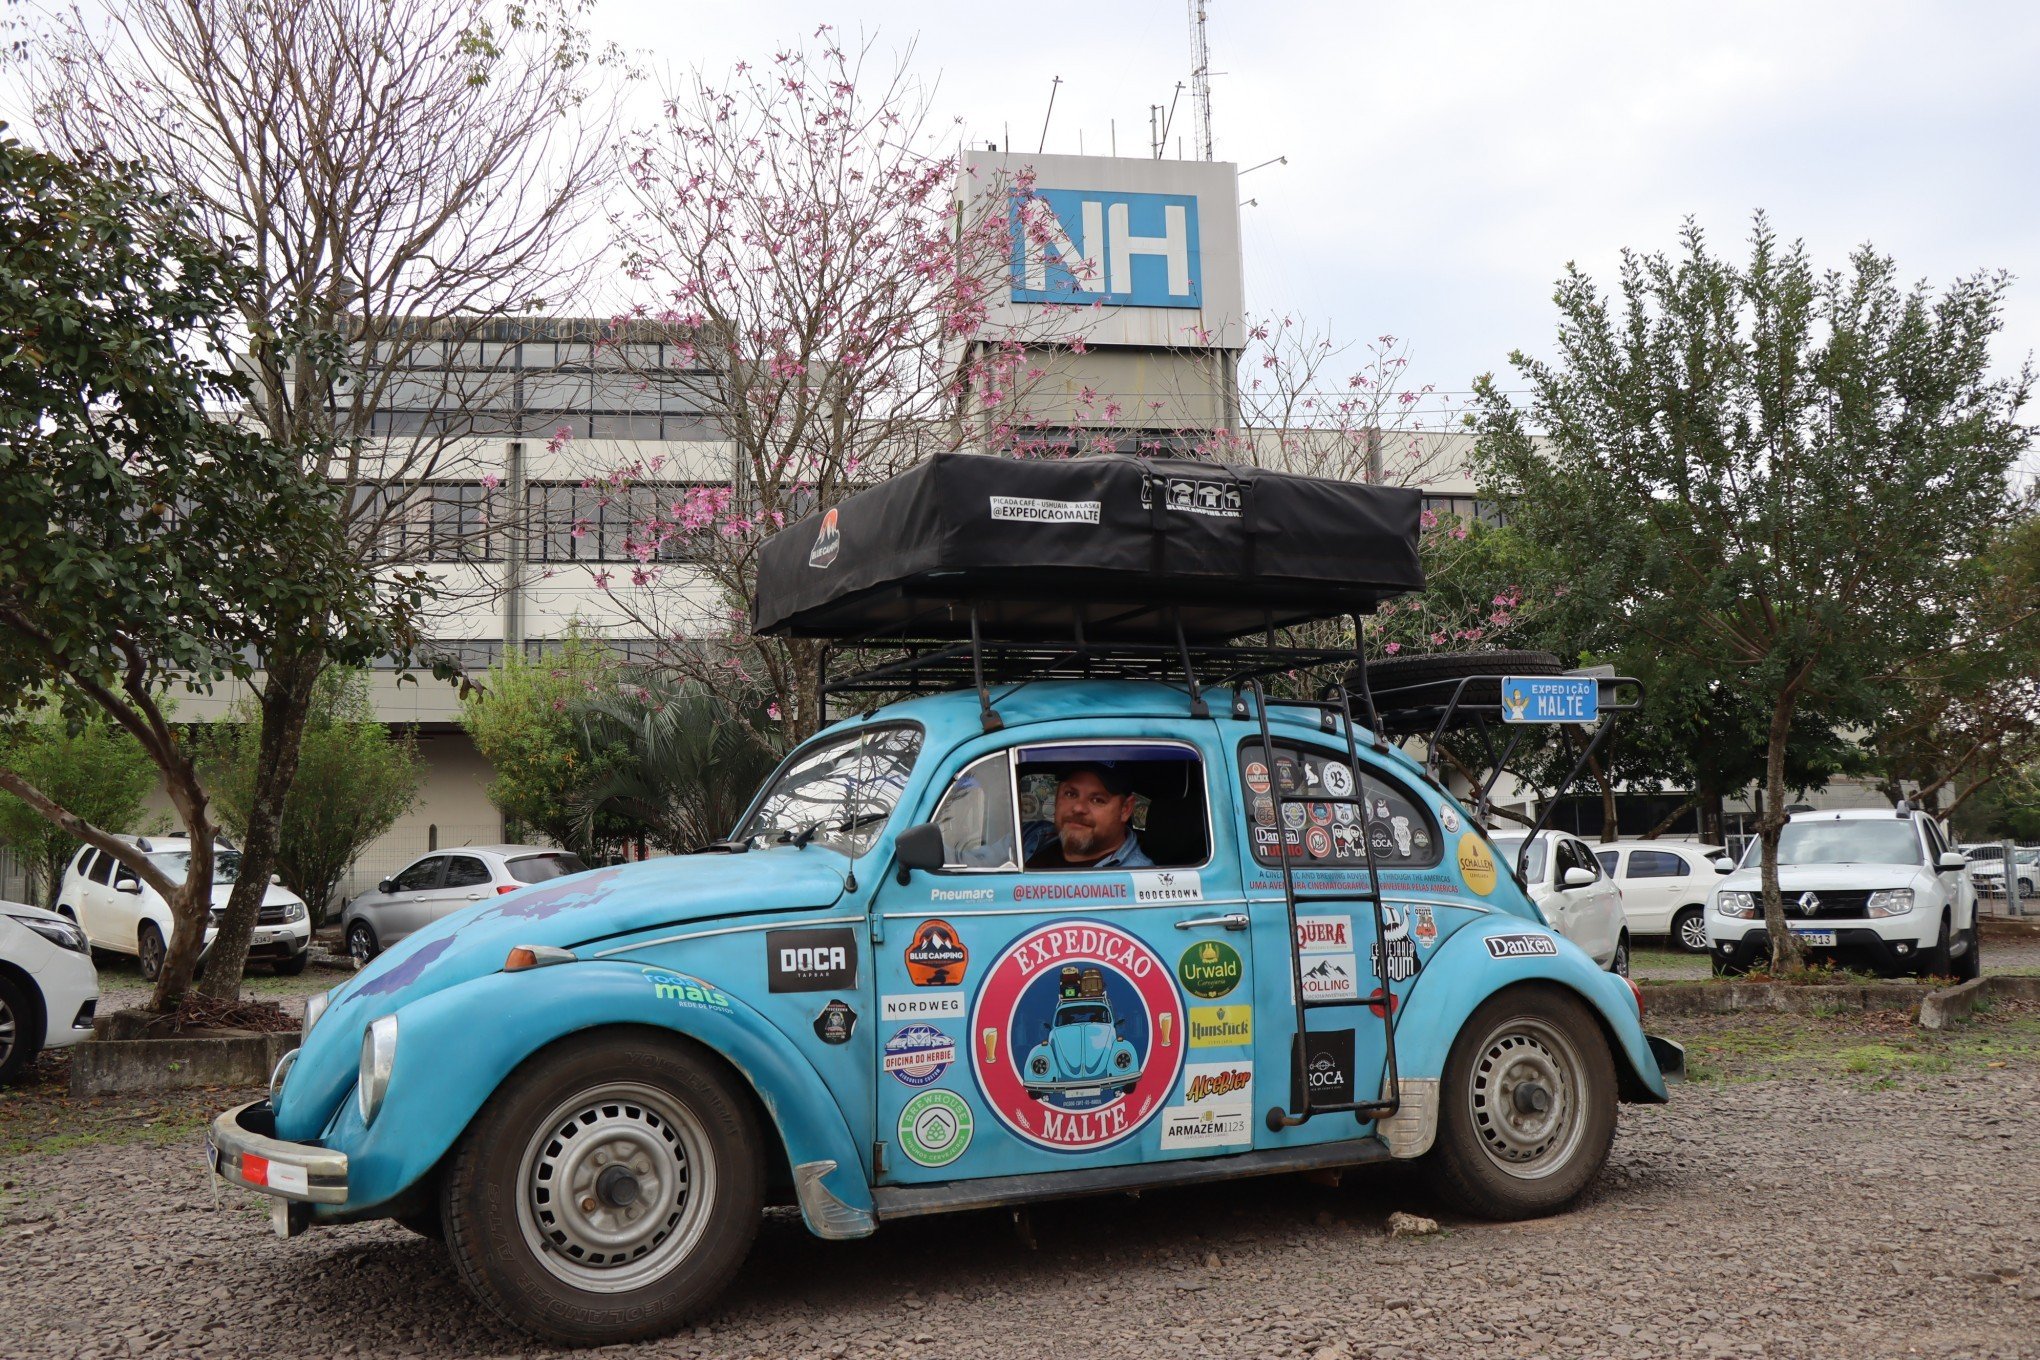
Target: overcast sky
(1447, 159)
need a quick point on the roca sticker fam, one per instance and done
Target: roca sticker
(1076, 1036)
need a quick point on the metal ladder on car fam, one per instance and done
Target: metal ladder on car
(1334, 707)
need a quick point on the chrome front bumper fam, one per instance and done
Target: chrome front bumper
(241, 1147)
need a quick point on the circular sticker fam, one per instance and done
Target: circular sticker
(1321, 813)
(935, 1128)
(1257, 777)
(1448, 819)
(1476, 865)
(1318, 841)
(1293, 816)
(918, 1054)
(1209, 969)
(1338, 780)
(1076, 1036)
(936, 956)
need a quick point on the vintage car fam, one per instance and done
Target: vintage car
(590, 1088)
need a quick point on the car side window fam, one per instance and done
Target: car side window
(1391, 819)
(102, 867)
(979, 830)
(1574, 855)
(1144, 798)
(420, 876)
(1656, 864)
(1608, 858)
(465, 871)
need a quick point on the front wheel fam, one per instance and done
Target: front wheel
(295, 964)
(607, 1191)
(1689, 930)
(1934, 962)
(149, 950)
(1969, 967)
(1528, 1108)
(361, 943)
(18, 1039)
(1619, 965)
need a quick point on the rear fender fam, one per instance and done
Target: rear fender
(457, 1046)
(1463, 973)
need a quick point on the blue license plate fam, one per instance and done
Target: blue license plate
(1824, 937)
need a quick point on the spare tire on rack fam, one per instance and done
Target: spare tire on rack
(1411, 693)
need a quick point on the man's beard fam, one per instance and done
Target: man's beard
(1081, 840)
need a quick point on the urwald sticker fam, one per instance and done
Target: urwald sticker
(936, 956)
(918, 1054)
(935, 1128)
(1209, 969)
(836, 1023)
(1221, 1026)
(823, 960)
(1521, 946)
(1077, 1036)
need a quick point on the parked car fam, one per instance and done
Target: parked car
(1576, 895)
(1989, 874)
(123, 915)
(1664, 885)
(1878, 890)
(48, 987)
(437, 885)
(595, 1084)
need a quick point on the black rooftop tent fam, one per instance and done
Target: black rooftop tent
(1109, 548)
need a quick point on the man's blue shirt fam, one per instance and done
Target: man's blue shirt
(1129, 855)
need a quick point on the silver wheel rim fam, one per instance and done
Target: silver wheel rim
(623, 1142)
(357, 944)
(1620, 964)
(1693, 932)
(9, 1034)
(1519, 1057)
(152, 953)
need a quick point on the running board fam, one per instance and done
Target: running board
(911, 1201)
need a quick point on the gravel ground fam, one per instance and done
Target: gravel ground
(1836, 1188)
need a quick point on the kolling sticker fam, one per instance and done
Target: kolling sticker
(1076, 1036)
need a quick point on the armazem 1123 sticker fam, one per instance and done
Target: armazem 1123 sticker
(1076, 1035)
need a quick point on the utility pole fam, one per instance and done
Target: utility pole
(1200, 79)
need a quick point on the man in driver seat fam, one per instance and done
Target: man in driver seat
(1093, 826)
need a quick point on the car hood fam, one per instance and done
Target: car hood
(1798, 878)
(33, 913)
(562, 912)
(1081, 1050)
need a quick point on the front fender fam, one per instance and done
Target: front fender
(1463, 973)
(456, 1046)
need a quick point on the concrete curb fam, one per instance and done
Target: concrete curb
(104, 1067)
(1727, 998)
(1940, 1008)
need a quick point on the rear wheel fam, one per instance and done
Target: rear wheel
(149, 950)
(1619, 965)
(1689, 930)
(18, 1038)
(295, 964)
(606, 1192)
(1528, 1108)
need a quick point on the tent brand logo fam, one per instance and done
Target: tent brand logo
(828, 542)
(1521, 946)
(935, 956)
(1115, 249)
(1221, 1026)
(1221, 500)
(1027, 510)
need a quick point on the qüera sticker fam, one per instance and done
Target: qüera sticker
(1076, 1035)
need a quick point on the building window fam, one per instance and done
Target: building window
(1468, 508)
(574, 523)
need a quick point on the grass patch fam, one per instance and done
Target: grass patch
(39, 1115)
(1881, 1047)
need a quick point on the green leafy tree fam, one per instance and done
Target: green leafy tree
(681, 763)
(148, 544)
(97, 771)
(1774, 470)
(521, 715)
(354, 781)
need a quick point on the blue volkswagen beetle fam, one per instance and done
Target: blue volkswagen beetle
(1244, 934)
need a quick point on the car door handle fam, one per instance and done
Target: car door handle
(474, 897)
(1233, 920)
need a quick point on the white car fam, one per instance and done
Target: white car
(440, 884)
(48, 987)
(1989, 874)
(1569, 886)
(123, 915)
(1664, 885)
(1874, 889)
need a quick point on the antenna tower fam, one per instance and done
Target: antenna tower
(1200, 78)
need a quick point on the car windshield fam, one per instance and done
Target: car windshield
(838, 793)
(1511, 846)
(1083, 1013)
(226, 864)
(540, 868)
(1874, 841)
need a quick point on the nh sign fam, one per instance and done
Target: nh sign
(1120, 249)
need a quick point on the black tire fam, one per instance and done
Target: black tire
(362, 945)
(1969, 967)
(1619, 965)
(663, 1113)
(149, 950)
(1689, 931)
(1934, 962)
(425, 1222)
(295, 964)
(20, 1029)
(1427, 683)
(1499, 1157)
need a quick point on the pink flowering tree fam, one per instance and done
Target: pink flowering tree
(795, 242)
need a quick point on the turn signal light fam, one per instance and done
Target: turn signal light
(525, 956)
(1638, 991)
(520, 959)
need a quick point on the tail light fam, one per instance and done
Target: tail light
(502, 888)
(1637, 992)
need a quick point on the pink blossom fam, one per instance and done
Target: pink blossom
(1459, 531)
(1392, 648)
(772, 712)
(492, 481)
(1428, 519)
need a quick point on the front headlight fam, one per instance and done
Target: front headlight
(1891, 902)
(293, 911)
(378, 1059)
(62, 934)
(1740, 904)
(315, 1006)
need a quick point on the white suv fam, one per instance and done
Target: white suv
(1874, 889)
(123, 915)
(48, 988)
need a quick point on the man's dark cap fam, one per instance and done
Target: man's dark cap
(1109, 773)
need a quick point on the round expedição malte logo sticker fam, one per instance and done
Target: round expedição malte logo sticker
(1076, 1036)
(1209, 969)
(1476, 864)
(935, 1128)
